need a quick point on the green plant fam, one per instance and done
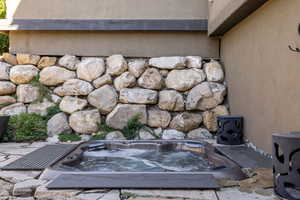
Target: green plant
(105, 128)
(98, 137)
(69, 137)
(132, 127)
(4, 43)
(2, 9)
(44, 92)
(27, 128)
(51, 111)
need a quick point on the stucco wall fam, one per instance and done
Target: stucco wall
(262, 74)
(97, 43)
(107, 9)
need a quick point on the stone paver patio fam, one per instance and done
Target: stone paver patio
(24, 185)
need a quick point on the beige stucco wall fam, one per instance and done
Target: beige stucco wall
(107, 9)
(97, 43)
(220, 10)
(262, 73)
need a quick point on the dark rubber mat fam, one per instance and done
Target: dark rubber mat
(40, 158)
(245, 157)
(134, 181)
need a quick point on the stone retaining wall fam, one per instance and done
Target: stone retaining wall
(176, 96)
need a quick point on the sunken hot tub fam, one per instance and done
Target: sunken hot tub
(127, 159)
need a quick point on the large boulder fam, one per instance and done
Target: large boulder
(214, 71)
(74, 87)
(104, 98)
(7, 87)
(4, 71)
(27, 59)
(137, 67)
(126, 80)
(116, 65)
(151, 79)
(58, 124)
(103, 80)
(90, 69)
(7, 100)
(158, 118)
(171, 100)
(119, 117)
(27, 93)
(10, 58)
(174, 62)
(68, 61)
(138, 96)
(146, 135)
(194, 62)
(85, 122)
(171, 134)
(47, 62)
(199, 133)
(72, 104)
(183, 80)
(205, 96)
(21, 74)
(210, 117)
(40, 108)
(14, 109)
(53, 76)
(186, 121)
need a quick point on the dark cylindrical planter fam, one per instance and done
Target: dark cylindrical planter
(230, 130)
(3, 126)
(286, 165)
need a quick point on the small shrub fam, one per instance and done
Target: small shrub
(98, 137)
(131, 130)
(51, 111)
(27, 128)
(4, 43)
(105, 128)
(69, 137)
(44, 92)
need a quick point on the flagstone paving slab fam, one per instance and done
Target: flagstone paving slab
(235, 194)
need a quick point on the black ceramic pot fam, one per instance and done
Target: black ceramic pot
(3, 126)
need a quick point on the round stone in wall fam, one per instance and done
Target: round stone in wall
(6, 100)
(214, 71)
(74, 87)
(40, 108)
(116, 65)
(198, 134)
(21, 74)
(205, 96)
(126, 80)
(171, 134)
(194, 62)
(72, 104)
(115, 135)
(171, 100)
(186, 121)
(58, 124)
(103, 80)
(7, 87)
(14, 109)
(27, 59)
(90, 69)
(183, 80)
(137, 67)
(119, 117)
(158, 118)
(175, 62)
(46, 62)
(85, 122)
(104, 98)
(151, 79)
(27, 93)
(4, 71)
(52, 76)
(138, 96)
(68, 61)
